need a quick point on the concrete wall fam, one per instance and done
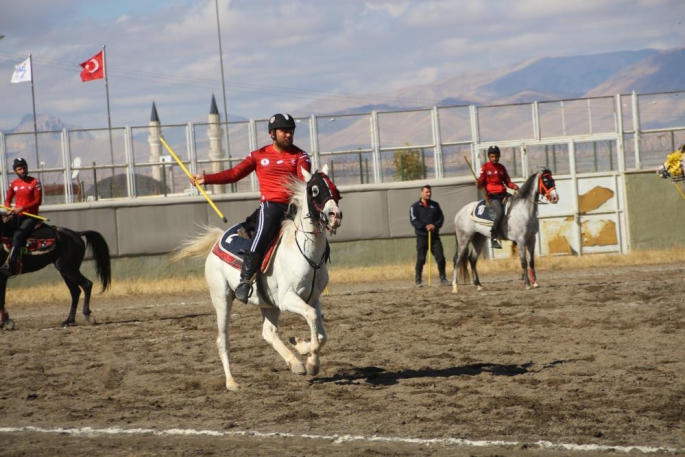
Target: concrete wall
(152, 226)
(656, 212)
(158, 225)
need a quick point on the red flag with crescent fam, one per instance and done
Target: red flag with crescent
(93, 68)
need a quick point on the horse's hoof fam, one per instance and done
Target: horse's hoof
(8, 324)
(312, 370)
(232, 386)
(297, 368)
(528, 287)
(300, 345)
(91, 320)
(536, 285)
(68, 323)
(479, 288)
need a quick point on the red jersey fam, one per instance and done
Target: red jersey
(29, 194)
(494, 178)
(273, 170)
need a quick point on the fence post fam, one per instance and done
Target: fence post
(95, 181)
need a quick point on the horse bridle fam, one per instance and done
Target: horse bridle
(542, 186)
(316, 200)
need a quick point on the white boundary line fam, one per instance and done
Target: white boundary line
(88, 431)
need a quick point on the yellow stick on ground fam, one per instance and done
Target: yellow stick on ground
(199, 187)
(40, 218)
(429, 259)
(679, 190)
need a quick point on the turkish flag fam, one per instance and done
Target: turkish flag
(93, 68)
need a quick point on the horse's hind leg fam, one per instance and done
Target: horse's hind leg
(270, 334)
(478, 243)
(462, 248)
(75, 282)
(222, 299)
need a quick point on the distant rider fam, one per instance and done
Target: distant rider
(29, 195)
(274, 165)
(673, 167)
(494, 178)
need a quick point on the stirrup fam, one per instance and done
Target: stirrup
(495, 244)
(243, 297)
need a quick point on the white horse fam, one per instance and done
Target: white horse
(520, 225)
(294, 280)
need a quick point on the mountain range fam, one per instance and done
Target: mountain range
(540, 79)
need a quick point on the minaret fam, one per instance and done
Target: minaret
(215, 132)
(155, 143)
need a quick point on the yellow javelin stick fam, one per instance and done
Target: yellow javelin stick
(199, 187)
(485, 194)
(40, 218)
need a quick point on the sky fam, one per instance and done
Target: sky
(282, 56)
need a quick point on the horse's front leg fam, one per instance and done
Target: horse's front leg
(270, 334)
(524, 263)
(5, 321)
(312, 314)
(304, 346)
(531, 264)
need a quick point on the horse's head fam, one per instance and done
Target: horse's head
(547, 189)
(322, 199)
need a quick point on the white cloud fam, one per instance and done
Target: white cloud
(282, 56)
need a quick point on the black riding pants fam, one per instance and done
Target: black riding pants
(268, 224)
(22, 227)
(498, 209)
(436, 250)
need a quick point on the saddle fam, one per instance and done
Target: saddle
(235, 241)
(482, 214)
(41, 241)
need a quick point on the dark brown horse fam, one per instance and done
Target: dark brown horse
(67, 256)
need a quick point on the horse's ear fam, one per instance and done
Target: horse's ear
(307, 175)
(324, 170)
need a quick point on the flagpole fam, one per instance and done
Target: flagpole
(109, 120)
(223, 89)
(35, 124)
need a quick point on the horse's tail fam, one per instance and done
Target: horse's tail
(198, 246)
(100, 250)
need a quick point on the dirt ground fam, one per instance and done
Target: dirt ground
(591, 357)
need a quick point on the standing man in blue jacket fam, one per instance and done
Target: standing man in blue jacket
(426, 216)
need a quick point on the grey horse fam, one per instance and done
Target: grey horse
(520, 225)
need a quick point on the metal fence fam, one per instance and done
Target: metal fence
(582, 136)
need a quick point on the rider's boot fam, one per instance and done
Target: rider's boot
(10, 265)
(250, 265)
(494, 242)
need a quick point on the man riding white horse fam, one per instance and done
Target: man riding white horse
(274, 164)
(495, 179)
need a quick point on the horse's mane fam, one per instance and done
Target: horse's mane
(298, 198)
(527, 187)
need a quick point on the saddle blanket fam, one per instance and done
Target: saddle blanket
(482, 214)
(41, 241)
(233, 244)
